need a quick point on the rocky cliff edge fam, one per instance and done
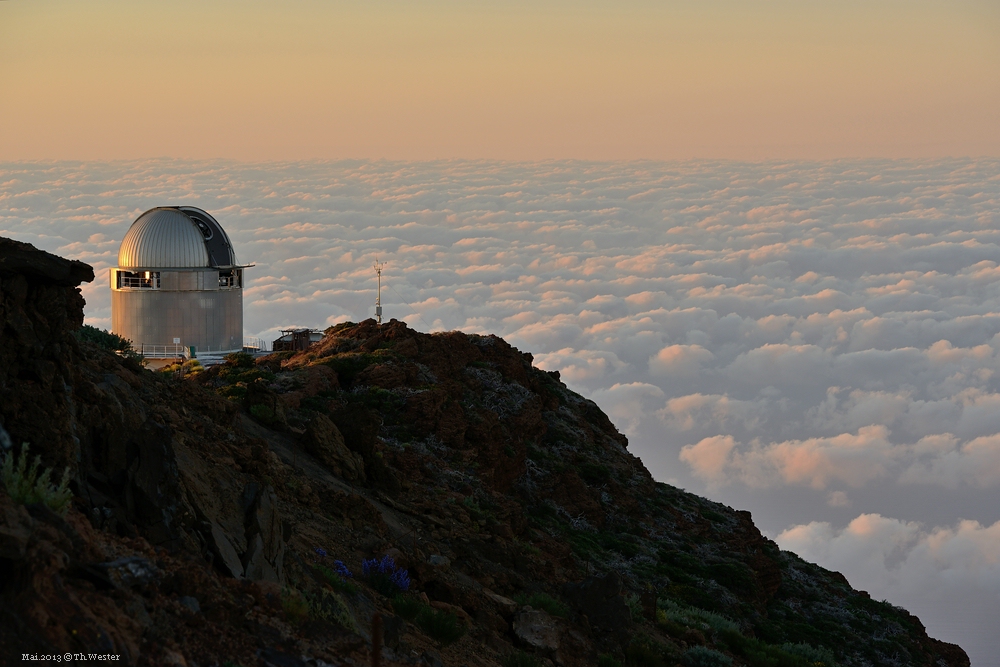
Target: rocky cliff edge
(217, 513)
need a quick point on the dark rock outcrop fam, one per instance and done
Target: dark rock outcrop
(150, 462)
(324, 440)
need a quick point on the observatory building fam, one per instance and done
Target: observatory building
(178, 285)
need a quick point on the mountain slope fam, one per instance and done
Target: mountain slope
(210, 507)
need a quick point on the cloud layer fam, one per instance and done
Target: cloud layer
(809, 340)
(950, 574)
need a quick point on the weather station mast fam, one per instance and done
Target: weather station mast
(378, 295)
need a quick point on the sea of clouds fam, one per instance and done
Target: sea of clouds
(816, 342)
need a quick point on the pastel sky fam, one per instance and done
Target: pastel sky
(745, 79)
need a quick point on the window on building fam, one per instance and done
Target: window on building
(231, 278)
(138, 280)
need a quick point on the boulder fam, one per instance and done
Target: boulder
(265, 555)
(224, 550)
(129, 572)
(535, 629)
(324, 440)
(440, 562)
(360, 427)
(506, 606)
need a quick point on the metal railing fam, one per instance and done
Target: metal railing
(176, 351)
(126, 281)
(162, 351)
(251, 344)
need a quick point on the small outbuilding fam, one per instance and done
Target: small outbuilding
(294, 340)
(178, 286)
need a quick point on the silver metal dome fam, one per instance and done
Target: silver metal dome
(175, 237)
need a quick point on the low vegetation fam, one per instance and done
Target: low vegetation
(31, 483)
(543, 601)
(109, 341)
(442, 626)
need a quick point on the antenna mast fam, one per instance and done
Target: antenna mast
(378, 295)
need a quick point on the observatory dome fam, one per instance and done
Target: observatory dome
(175, 237)
(177, 287)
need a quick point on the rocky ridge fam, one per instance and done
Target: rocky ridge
(209, 508)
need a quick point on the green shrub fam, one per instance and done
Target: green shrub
(543, 601)
(613, 542)
(407, 606)
(759, 654)
(700, 656)
(111, 342)
(642, 654)
(816, 657)
(25, 485)
(473, 507)
(233, 392)
(537, 455)
(594, 474)
(608, 660)
(521, 659)
(263, 414)
(541, 511)
(314, 403)
(697, 596)
(644, 651)
(693, 617)
(240, 359)
(191, 367)
(337, 582)
(295, 606)
(348, 366)
(240, 375)
(713, 516)
(634, 605)
(735, 576)
(671, 627)
(440, 625)
(329, 606)
(381, 400)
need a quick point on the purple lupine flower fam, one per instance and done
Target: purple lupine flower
(402, 579)
(321, 552)
(385, 569)
(341, 569)
(385, 565)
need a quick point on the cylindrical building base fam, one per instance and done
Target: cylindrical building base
(211, 321)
